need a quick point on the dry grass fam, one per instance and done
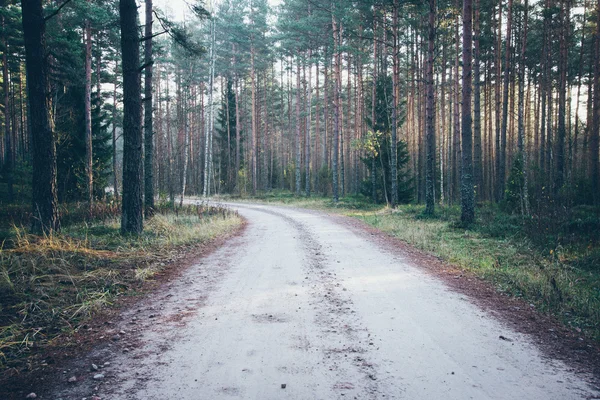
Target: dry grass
(50, 285)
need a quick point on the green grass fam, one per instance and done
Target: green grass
(52, 285)
(551, 262)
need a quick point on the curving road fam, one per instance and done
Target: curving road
(302, 306)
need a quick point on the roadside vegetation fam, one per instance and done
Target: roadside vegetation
(51, 285)
(552, 260)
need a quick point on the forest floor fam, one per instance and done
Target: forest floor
(308, 304)
(58, 293)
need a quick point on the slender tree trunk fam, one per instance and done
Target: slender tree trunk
(395, 84)
(466, 187)
(114, 137)
(501, 184)
(89, 172)
(237, 126)
(594, 137)
(186, 146)
(308, 122)
(576, 164)
(44, 199)
(521, 116)
(253, 152)
(430, 113)
(336, 109)
(373, 115)
(298, 145)
(148, 108)
(131, 218)
(561, 132)
(8, 143)
(477, 151)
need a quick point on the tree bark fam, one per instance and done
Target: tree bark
(395, 84)
(466, 187)
(89, 172)
(131, 218)
(8, 149)
(148, 109)
(594, 137)
(477, 139)
(521, 116)
(336, 109)
(44, 199)
(430, 113)
(561, 132)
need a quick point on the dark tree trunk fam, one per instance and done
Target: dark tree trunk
(148, 128)
(501, 184)
(477, 151)
(45, 212)
(430, 114)
(466, 186)
(594, 142)
(8, 149)
(89, 172)
(561, 132)
(132, 208)
(521, 115)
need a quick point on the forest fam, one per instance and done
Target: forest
(467, 124)
(427, 102)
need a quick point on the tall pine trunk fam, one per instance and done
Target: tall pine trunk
(430, 113)
(132, 213)
(336, 109)
(477, 150)
(44, 199)
(466, 186)
(89, 172)
(594, 142)
(148, 105)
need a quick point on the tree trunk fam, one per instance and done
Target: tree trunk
(430, 113)
(308, 121)
(253, 154)
(501, 184)
(561, 132)
(298, 158)
(89, 172)
(131, 218)
(477, 151)
(466, 187)
(594, 142)
(521, 116)
(336, 109)
(395, 84)
(114, 139)
(44, 199)
(8, 149)
(148, 108)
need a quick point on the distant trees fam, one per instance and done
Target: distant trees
(309, 98)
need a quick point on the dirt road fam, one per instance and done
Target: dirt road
(302, 306)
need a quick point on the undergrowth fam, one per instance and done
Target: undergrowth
(51, 285)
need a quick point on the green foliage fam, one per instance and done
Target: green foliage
(377, 147)
(324, 178)
(513, 196)
(225, 139)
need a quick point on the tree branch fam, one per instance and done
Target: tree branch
(153, 36)
(55, 12)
